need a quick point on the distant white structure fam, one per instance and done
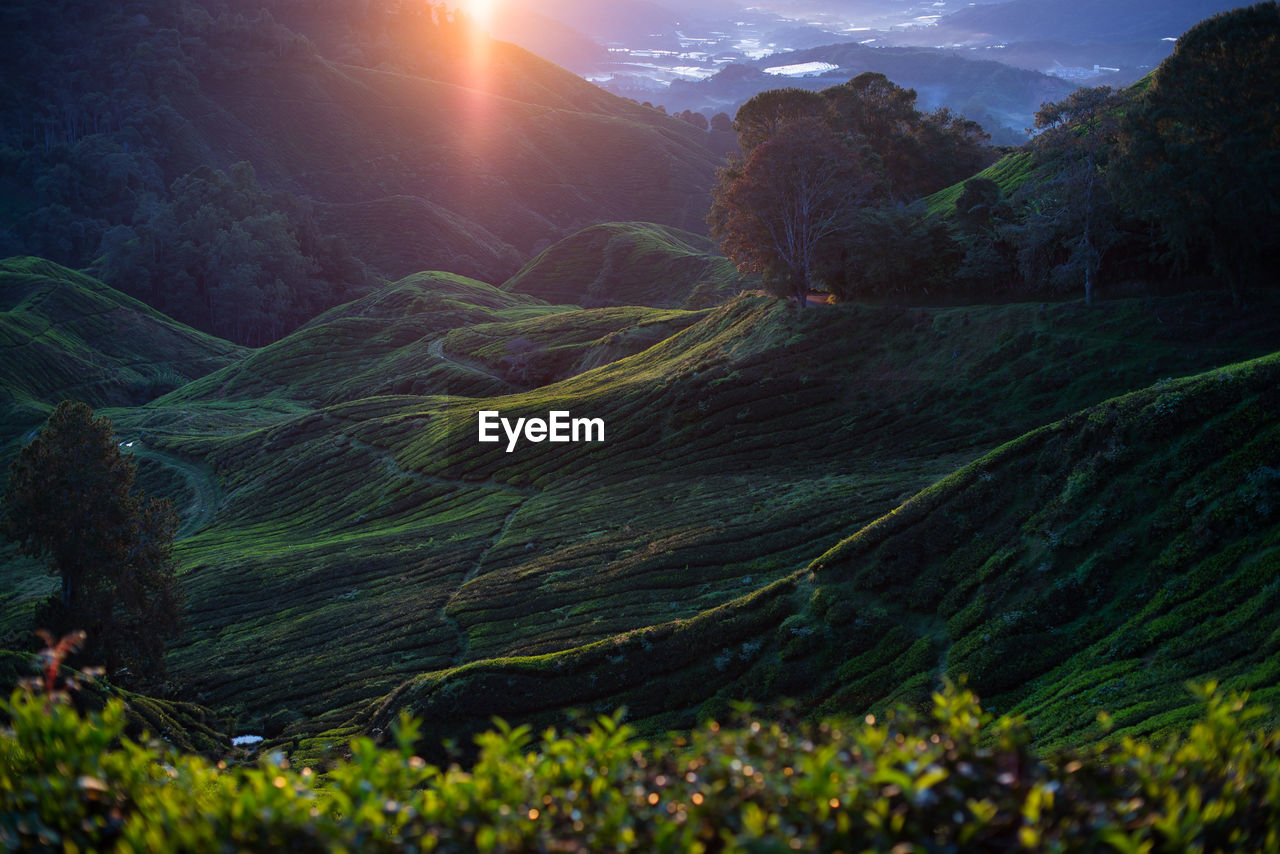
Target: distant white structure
(800, 69)
(1077, 72)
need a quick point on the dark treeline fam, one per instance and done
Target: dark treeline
(1176, 179)
(819, 187)
(100, 167)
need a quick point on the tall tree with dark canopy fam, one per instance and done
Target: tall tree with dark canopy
(70, 500)
(919, 153)
(790, 201)
(1080, 132)
(1202, 159)
(768, 112)
(813, 160)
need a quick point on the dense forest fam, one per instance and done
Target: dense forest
(97, 172)
(152, 155)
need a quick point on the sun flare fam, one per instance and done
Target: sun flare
(481, 11)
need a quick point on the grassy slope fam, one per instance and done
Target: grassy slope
(630, 263)
(345, 531)
(66, 335)
(1009, 172)
(359, 542)
(1095, 563)
(546, 349)
(375, 345)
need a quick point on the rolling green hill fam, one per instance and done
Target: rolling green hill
(347, 542)
(543, 350)
(1096, 563)
(66, 335)
(1009, 172)
(357, 540)
(630, 263)
(383, 343)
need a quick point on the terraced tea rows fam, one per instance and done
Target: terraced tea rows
(63, 334)
(362, 536)
(737, 449)
(631, 263)
(1096, 563)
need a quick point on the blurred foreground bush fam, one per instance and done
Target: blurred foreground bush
(956, 781)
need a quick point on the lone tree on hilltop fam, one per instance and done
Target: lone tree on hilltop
(769, 112)
(788, 204)
(1080, 132)
(70, 501)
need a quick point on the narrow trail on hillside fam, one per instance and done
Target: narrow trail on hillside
(436, 349)
(464, 640)
(206, 495)
(393, 467)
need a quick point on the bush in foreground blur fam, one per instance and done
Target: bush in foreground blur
(959, 781)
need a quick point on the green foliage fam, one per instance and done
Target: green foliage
(1074, 208)
(956, 779)
(70, 500)
(1201, 159)
(892, 251)
(788, 203)
(1010, 172)
(916, 152)
(979, 203)
(225, 256)
(769, 112)
(795, 209)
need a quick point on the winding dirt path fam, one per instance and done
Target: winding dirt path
(206, 495)
(436, 349)
(464, 640)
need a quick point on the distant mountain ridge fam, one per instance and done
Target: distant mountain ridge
(991, 93)
(1079, 21)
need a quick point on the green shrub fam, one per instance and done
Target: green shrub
(955, 781)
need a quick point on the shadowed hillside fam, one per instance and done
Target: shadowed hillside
(630, 263)
(218, 164)
(517, 162)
